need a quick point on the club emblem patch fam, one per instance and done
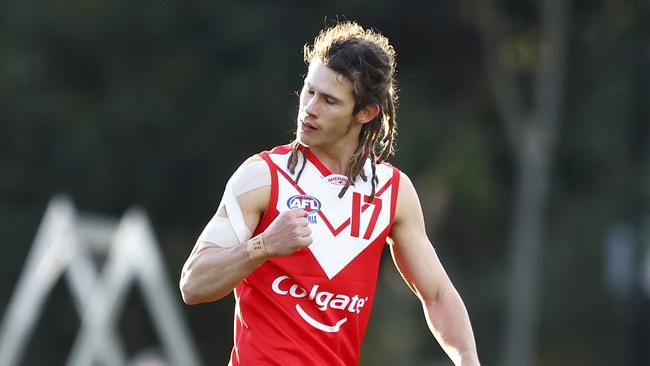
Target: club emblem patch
(306, 202)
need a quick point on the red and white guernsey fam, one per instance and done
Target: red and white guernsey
(312, 307)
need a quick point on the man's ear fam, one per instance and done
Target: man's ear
(368, 113)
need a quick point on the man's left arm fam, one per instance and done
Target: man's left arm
(420, 267)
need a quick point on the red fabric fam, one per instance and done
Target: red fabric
(274, 303)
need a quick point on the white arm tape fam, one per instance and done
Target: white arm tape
(219, 231)
(232, 230)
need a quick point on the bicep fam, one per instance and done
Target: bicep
(219, 235)
(419, 266)
(413, 254)
(244, 201)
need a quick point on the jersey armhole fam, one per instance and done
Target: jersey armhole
(271, 211)
(394, 193)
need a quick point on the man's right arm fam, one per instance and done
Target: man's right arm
(212, 271)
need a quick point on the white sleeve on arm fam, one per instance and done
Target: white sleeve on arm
(230, 231)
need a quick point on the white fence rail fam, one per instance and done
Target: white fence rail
(64, 246)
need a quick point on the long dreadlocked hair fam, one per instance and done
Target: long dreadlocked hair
(367, 59)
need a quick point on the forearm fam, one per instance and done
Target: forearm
(449, 322)
(212, 272)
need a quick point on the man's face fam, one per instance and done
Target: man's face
(326, 104)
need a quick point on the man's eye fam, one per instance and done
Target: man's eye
(330, 101)
(311, 92)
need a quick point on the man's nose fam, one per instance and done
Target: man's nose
(310, 105)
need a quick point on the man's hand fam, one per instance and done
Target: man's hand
(288, 233)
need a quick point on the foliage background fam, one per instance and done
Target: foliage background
(155, 104)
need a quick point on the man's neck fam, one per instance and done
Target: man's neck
(336, 160)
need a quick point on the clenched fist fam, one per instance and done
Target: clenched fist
(288, 233)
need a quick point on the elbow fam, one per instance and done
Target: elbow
(432, 298)
(189, 298)
(189, 293)
(193, 294)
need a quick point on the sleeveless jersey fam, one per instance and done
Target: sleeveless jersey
(313, 307)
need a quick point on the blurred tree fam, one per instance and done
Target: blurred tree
(532, 134)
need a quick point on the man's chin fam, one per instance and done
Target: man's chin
(302, 140)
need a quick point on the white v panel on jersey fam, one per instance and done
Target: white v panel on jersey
(342, 228)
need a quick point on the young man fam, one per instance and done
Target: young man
(300, 230)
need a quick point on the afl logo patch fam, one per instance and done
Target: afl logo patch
(306, 202)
